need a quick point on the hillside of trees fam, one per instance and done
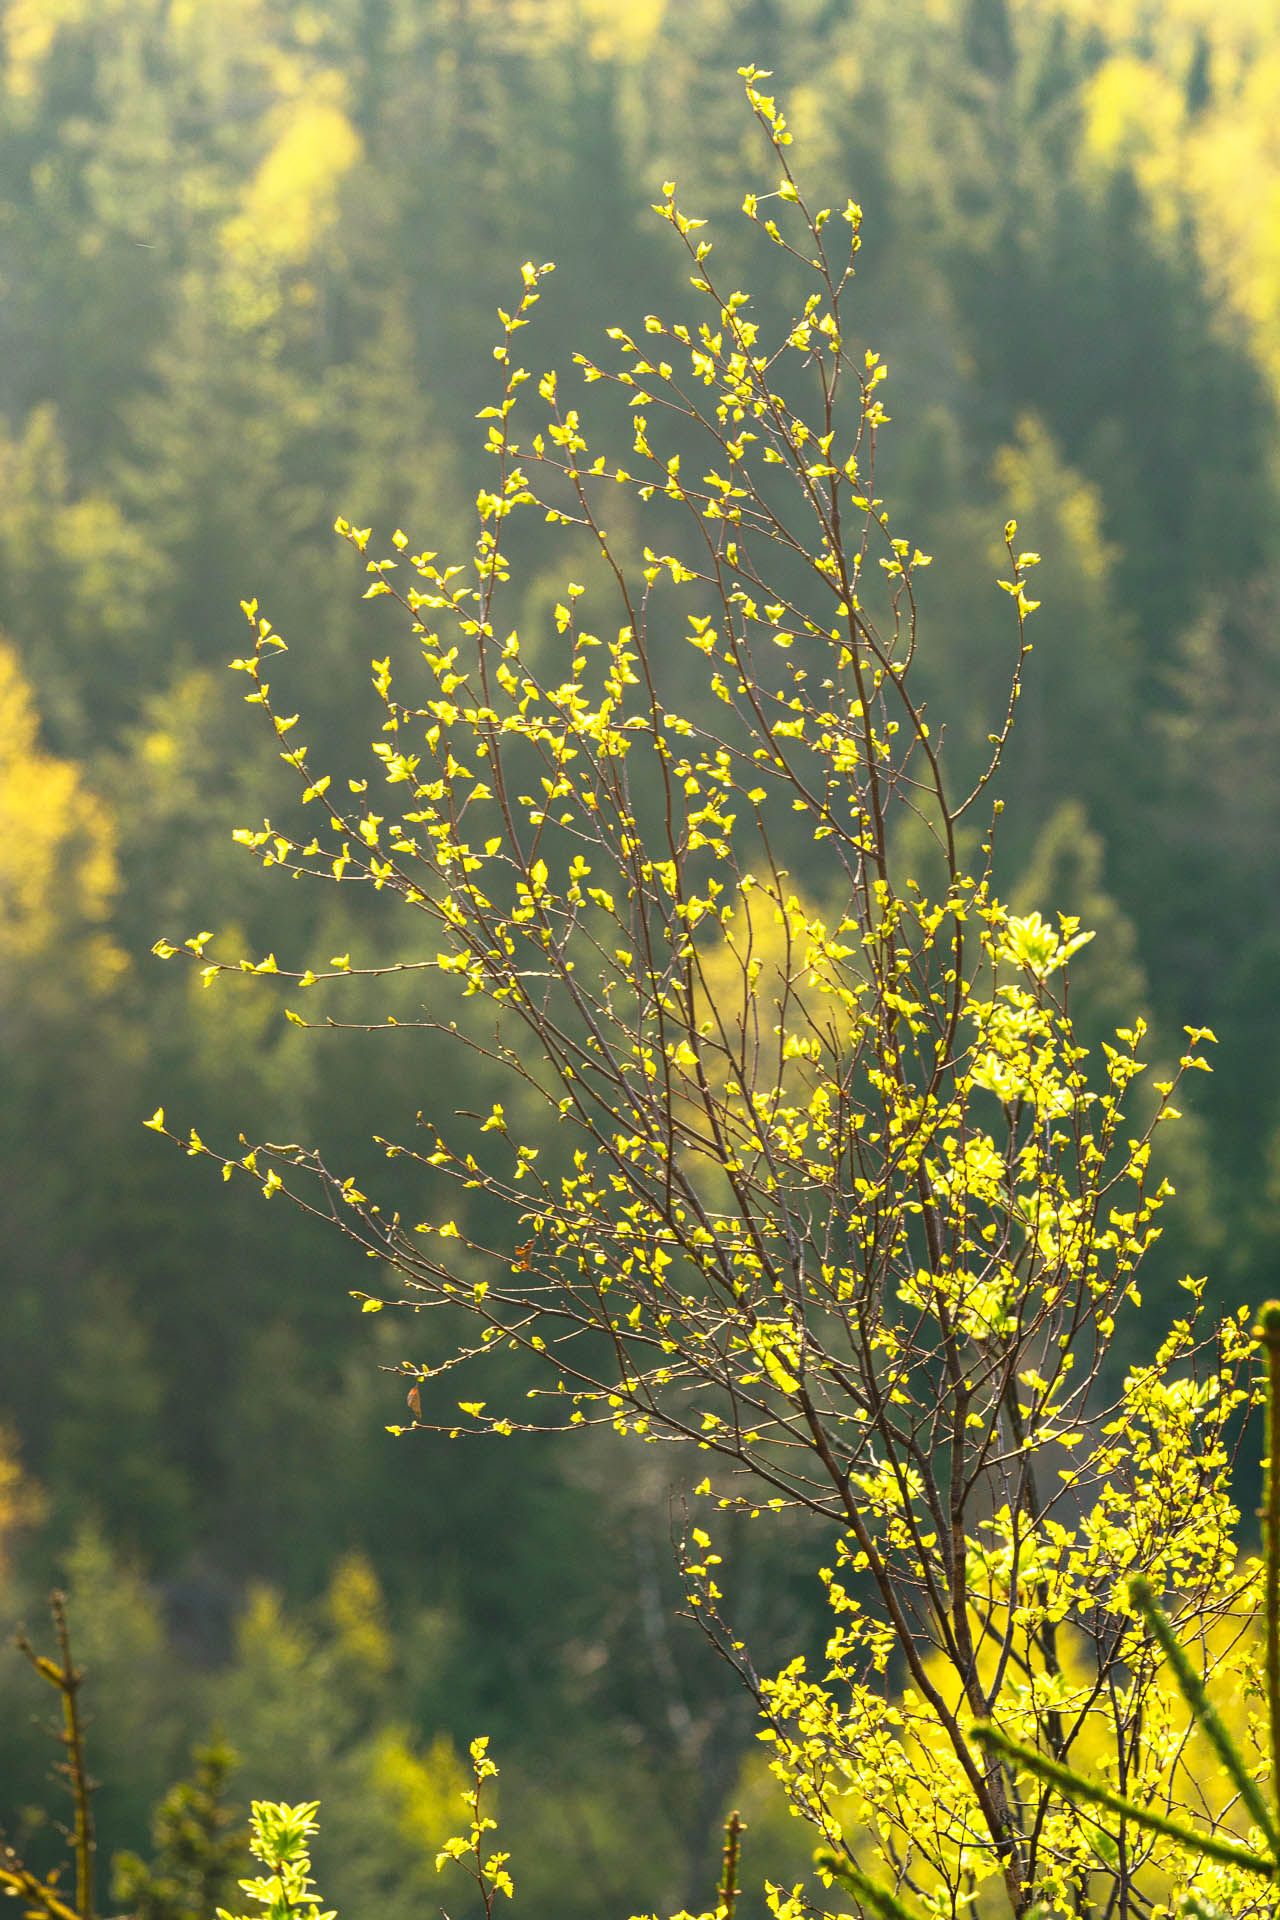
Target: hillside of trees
(251, 257)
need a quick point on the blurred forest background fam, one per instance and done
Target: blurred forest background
(250, 253)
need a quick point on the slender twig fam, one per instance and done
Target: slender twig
(1268, 1330)
(65, 1676)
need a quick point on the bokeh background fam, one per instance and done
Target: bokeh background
(250, 257)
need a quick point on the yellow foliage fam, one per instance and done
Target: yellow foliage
(771, 985)
(358, 1612)
(30, 29)
(292, 201)
(58, 873)
(266, 1639)
(1179, 1766)
(1222, 160)
(424, 1790)
(1034, 481)
(926, 1823)
(21, 1503)
(623, 32)
(1134, 112)
(1233, 159)
(1234, 27)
